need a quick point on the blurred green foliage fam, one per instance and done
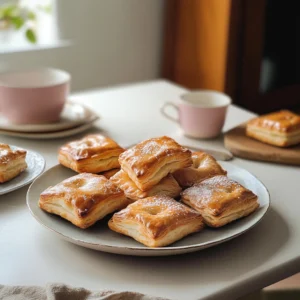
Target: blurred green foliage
(16, 16)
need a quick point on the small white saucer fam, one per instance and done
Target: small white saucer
(73, 115)
(53, 134)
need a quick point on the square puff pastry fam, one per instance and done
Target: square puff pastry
(168, 186)
(156, 221)
(150, 161)
(279, 128)
(204, 166)
(12, 162)
(83, 199)
(220, 200)
(92, 154)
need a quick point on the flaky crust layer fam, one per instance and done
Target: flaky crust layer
(168, 186)
(12, 162)
(204, 166)
(236, 214)
(110, 173)
(83, 199)
(220, 200)
(151, 160)
(281, 121)
(93, 154)
(156, 221)
(280, 139)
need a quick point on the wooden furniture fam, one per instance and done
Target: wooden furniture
(32, 255)
(246, 48)
(260, 32)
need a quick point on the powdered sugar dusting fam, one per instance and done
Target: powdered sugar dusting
(158, 212)
(4, 156)
(89, 145)
(214, 192)
(84, 190)
(280, 121)
(149, 151)
(7, 154)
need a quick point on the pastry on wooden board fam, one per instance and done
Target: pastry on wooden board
(280, 129)
(156, 221)
(12, 162)
(204, 166)
(83, 199)
(220, 200)
(148, 162)
(92, 154)
(168, 186)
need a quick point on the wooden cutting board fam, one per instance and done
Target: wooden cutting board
(240, 145)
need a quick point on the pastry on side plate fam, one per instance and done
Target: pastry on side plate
(220, 200)
(279, 128)
(168, 186)
(204, 166)
(108, 174)
(151, 160)
(83, 199)
(92, 154)
(156, 221)
(12, 162)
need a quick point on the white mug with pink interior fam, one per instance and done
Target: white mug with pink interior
(201, 114)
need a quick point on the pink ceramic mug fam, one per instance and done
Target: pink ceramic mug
(201, 114)
(33, 96)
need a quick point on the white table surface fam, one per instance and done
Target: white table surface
(32, 255)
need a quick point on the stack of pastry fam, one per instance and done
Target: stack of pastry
(146, 168)
(147, 178)
(87, 197)
(146, 173)
(160, 220)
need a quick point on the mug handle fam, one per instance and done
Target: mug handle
(164, 113)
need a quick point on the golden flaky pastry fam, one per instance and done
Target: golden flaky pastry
(93, 154)
(108, 174)
(156, 221)
(168, 186)
(12, 162)
(151, 160)
(204, 166)
(279, 128)
(83, 199)
(220, 200)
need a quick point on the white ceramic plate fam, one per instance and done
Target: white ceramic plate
(100, 237)
(51, 135)
(35, 166)
(73, 114)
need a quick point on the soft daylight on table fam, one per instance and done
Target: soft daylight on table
(149, 150)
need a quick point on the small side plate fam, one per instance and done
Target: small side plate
(73, 115)
(51, 135)
(36, 165)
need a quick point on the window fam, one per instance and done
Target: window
(32, 23)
